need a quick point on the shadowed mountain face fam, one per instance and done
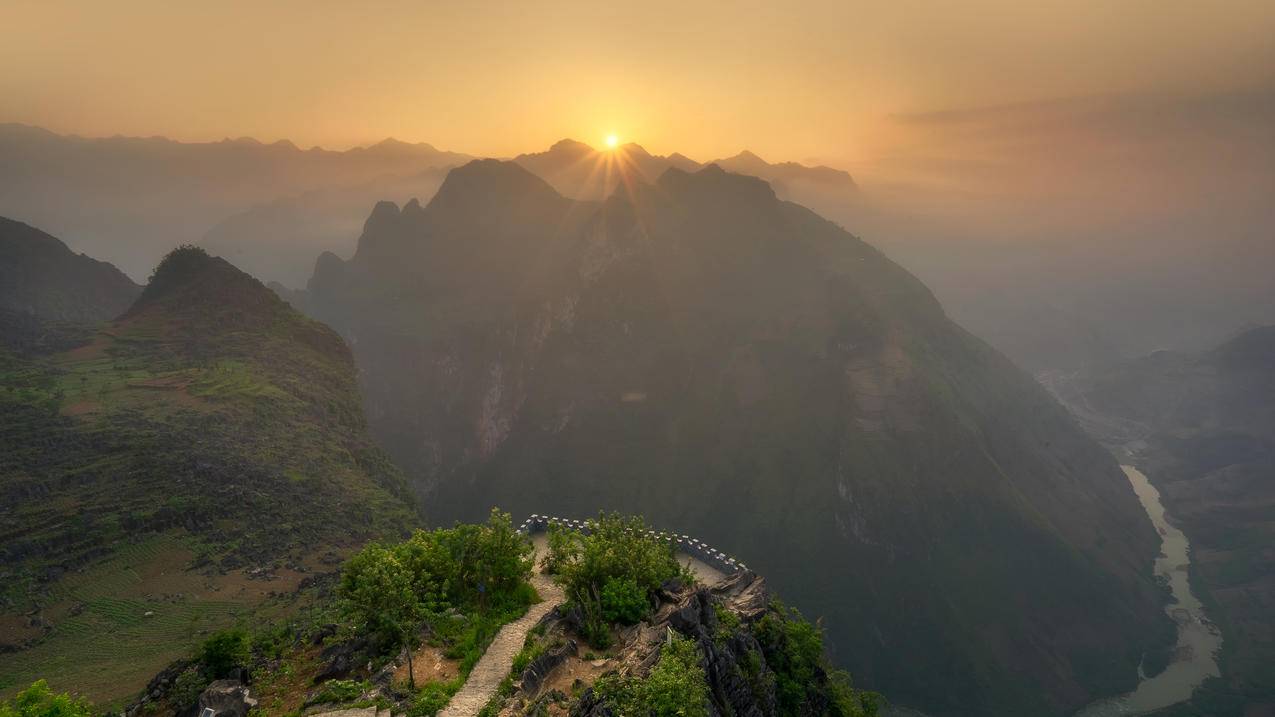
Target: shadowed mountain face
(40, 276)
(129, 199)
(1202, 427)
(50, 297)
(279, 240)
(209, 429)
(734, 366)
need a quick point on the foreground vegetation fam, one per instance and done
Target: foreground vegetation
(446, 592)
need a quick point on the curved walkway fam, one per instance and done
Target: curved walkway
(494, 665)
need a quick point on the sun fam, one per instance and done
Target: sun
(612, 141)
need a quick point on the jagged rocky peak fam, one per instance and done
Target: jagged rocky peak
(716, 184)
(507, 179)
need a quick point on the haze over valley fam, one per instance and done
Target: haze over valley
(690, 360)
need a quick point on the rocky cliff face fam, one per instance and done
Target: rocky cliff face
(722, 361)
(745, 645)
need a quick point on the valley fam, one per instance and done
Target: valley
(1199, 426)
(1194, 658)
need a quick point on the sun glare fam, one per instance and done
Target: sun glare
(612, 141)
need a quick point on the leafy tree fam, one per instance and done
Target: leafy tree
(223, 651)
(469, 564)
(392, 591)
(377, 590)
(617, 552)
(504, 557)
(40, 701)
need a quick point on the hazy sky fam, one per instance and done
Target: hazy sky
(791, 80)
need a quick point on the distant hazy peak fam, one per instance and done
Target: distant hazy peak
(390, 144)
(491, 181)
(1254, 348)
(712, 179)
(570, 146)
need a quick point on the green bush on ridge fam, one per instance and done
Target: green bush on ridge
(611, 571)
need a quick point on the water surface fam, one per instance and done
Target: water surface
(1195, 657)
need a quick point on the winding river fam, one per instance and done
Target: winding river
(1195, 657)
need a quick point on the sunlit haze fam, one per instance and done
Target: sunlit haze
(799, 81)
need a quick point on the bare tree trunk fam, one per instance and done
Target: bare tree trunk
(411, 671)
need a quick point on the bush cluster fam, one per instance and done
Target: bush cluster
(793, 648)
(393, 592)
(611, 571)
(675, 687)
(40, 701)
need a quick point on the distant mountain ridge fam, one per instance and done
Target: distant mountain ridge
(129, 199)
(701, 352)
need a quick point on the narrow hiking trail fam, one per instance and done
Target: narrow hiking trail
(496, 662)
(494, 665)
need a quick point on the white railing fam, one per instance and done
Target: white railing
(684, 543)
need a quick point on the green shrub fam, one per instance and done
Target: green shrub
(224, 651)
(623, 601)
(615, 547)
(186, 688)
(482, 565)
(612, 572)
(530, 651)
(40, 701)
(675, 687)
(340, 691)
(727, 623)
(793, 648)
(433, 697)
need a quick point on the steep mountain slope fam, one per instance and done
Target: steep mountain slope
(41, 277)
(210, 430)
(1202, 427)
(731, 364)
(128, 199)
(278, 241)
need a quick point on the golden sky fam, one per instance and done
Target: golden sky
(791, 80)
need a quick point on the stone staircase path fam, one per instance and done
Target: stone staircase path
(495, 664)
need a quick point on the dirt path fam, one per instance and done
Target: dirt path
(499, 658)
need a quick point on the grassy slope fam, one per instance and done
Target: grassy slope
(208, 430)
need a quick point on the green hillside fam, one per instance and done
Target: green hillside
(203, 452)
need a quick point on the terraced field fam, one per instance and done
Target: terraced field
(114, 626)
